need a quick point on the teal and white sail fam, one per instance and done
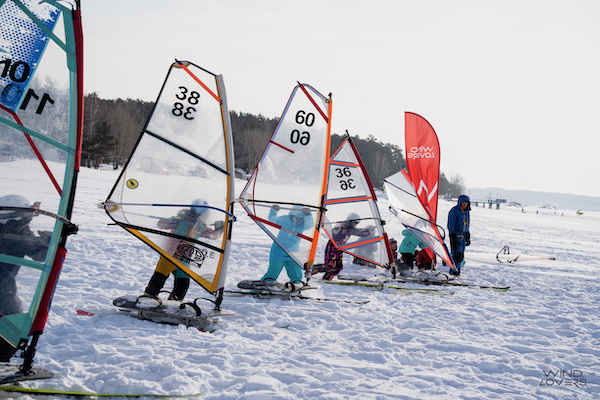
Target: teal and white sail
(41, 123)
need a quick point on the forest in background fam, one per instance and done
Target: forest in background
(112, 127)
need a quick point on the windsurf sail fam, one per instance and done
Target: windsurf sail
(350, 194)
(176, 191)
(41, 124)
(291, 174)
(504, 256)
(413, 193)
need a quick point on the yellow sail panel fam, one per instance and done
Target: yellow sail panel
(176, 191)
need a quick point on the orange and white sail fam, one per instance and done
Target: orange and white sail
(291, 174)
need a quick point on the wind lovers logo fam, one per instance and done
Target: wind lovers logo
(558, 377)
(420, 152)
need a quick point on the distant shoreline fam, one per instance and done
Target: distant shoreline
(537, 199)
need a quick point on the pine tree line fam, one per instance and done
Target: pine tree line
(112, 127)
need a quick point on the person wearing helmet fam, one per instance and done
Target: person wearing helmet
(298, 220)
(334, 264)
(458, 229)
(186, 223)
(17, 240)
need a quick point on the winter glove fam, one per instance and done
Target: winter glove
(45, 237)
(219, 225)
(276, 207)
(306, 210)
(467, 238)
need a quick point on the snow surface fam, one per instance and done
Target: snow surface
(460, 343)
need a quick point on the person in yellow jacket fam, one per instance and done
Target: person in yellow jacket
(186, 223)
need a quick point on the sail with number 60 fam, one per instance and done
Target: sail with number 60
(291, 174)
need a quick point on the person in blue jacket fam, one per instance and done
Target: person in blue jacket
(458, 229)
(299, 219)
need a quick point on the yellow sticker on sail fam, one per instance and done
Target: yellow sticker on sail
(132, 183)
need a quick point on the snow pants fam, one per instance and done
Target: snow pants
(334, 262)
(292, 269)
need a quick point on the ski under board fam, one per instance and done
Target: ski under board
(450, 283)
(275, 290)
(167, 311)
(382, 283)
(48, 392)
(280, 291)
(11, 373)
(287, 296)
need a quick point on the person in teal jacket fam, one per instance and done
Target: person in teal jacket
(408, 246)
(299, 219)
(458, 229)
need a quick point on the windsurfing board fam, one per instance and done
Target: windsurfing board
(280, 290)
(167, 311)
(381, 283)
(69, 393)
(11, 373)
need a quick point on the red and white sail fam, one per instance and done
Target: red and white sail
(413, 193)
(349, 191)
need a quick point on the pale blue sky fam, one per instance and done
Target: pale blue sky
(512, 88)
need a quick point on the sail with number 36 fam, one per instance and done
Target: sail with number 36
(290, 177)
(182, 163)
(350, 194)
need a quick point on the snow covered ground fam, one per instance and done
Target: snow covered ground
(541, 339)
